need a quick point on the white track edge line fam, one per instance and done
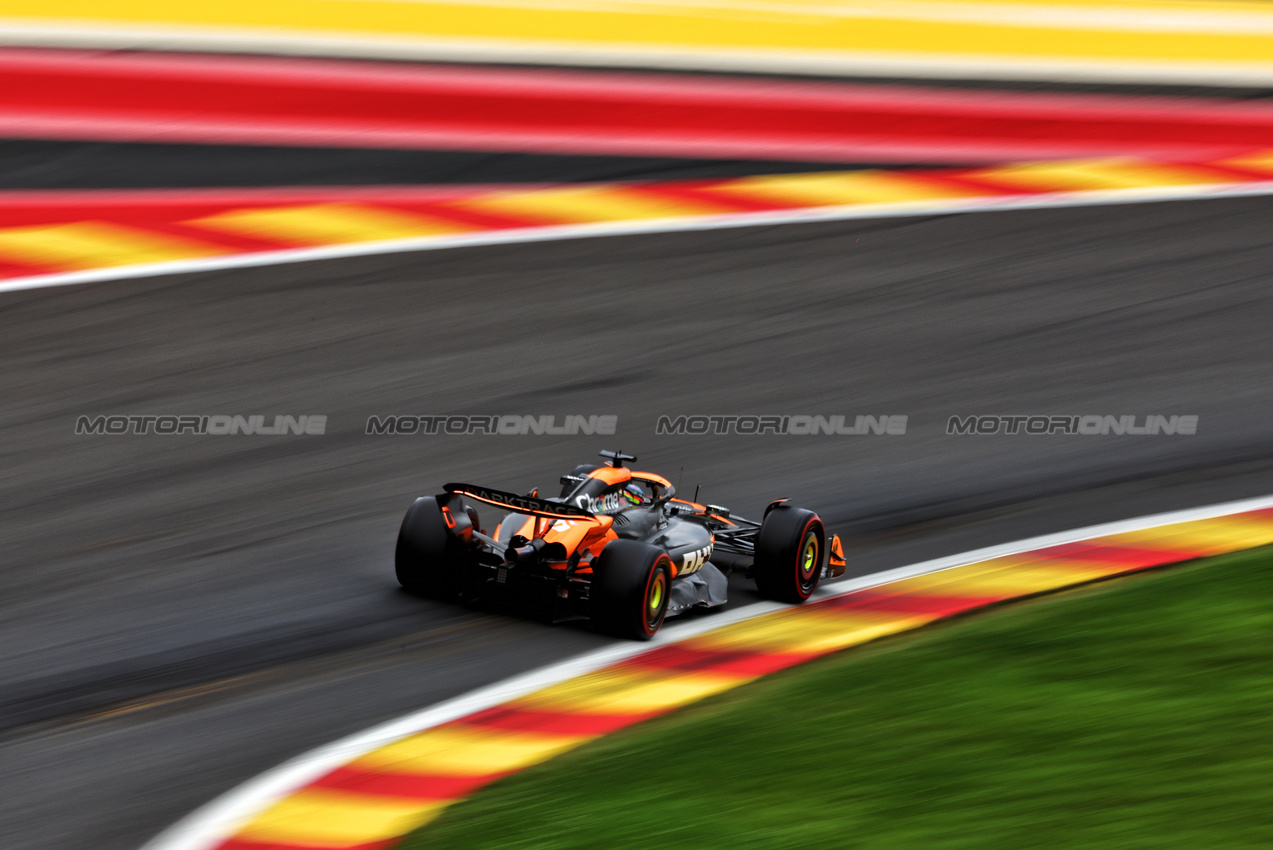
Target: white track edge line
(806, 215)
(217, 820)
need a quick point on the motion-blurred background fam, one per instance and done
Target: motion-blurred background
(180, 613)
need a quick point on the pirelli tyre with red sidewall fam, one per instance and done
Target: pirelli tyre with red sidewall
(631, 586)
(790, 553)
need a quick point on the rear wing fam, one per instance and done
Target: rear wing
(529, 505)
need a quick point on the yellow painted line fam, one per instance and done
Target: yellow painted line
(811, 631)
(847, 25)
(1161, 33)
(1098, 174)
(1262, 162)
(96, 244)
(459, 751)
(322, 818)
(325, 224)
(1001, 577)
(1212, 536)
(840, 189)
(573, 205)
(1075, 568)
(619, 691)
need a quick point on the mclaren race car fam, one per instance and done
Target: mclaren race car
(615, 546)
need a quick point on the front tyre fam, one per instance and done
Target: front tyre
(790, 551)
(631, 584)
(427, 559)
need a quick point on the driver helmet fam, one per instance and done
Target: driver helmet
(634, 495)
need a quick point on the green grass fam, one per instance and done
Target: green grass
(1134, 713)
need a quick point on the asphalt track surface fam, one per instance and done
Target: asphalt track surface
(179, 613)
(43, 164)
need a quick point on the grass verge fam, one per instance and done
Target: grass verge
(1133, 713)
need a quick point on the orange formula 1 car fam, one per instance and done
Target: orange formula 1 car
(616, 546)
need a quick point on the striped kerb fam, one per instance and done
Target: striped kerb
(52, 232)
(375, 799)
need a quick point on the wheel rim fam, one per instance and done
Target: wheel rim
(656, 595)
(656, 600)
(809, 560)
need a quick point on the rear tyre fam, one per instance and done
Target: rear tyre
(427, 559)
(790, 551)
(631, 584)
